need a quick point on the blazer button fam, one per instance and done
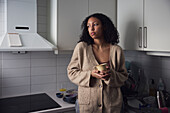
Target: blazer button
(99, 105)
(100, 85)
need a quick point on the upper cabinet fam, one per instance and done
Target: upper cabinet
(107, 7)
(144, 24)
(130, 23)
(66, 16)
(70, 16)
(64, 22)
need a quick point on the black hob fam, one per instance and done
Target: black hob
(27, 103)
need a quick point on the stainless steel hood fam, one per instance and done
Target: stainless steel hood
(21, 16)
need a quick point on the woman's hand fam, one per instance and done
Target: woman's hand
(103, 75)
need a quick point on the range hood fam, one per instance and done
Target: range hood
(21, 20)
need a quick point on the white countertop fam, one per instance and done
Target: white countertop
(64, 105)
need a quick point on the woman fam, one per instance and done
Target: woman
(98, 91)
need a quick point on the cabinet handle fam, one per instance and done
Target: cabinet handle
(145, 38)
(140, 37)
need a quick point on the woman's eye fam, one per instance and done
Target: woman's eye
(95, 24)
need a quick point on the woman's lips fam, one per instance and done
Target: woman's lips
(93, 33)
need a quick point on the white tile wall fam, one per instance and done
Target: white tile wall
(39, 88)
(15, 91)
(165, 63)
(16, 72)
(15, 81)
(18, 63)
(43, 71)
(166, 73)
(62, 78)
(62, 69)
(154, 67)
(35, 71)
(63, 60)
(43, 62)
(43, 79)
(167, 84)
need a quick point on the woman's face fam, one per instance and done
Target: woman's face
(95, 28)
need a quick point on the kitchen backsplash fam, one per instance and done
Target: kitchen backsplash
(44, 71)
(33, 72)
(154, 67)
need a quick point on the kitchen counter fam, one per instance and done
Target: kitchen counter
(65, 107)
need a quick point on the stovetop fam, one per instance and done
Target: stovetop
(27, 103)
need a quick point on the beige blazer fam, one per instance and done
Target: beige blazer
(95, 95)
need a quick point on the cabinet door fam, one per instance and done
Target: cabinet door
(157, 22)
(71, 13)
(107, 7)
(130, 24)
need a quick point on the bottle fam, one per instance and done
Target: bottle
(63, 89)
(160, 85)
(152, 90)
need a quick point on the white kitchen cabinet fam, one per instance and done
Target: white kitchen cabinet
(130, 23)
(107, 7)
(66, 16)
(71, 13)
(144, 24)
(66, 27)
(157, 22)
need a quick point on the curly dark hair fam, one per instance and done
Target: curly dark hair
(111, 34)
